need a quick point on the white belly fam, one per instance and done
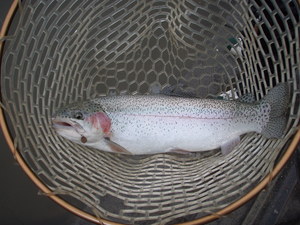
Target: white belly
(158, 134)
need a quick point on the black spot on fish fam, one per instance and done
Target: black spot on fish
(83, 139)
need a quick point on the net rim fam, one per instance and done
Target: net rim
(21, 161)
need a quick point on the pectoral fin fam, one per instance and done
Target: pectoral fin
(116, 147)
(228, 146)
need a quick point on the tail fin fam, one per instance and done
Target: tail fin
(278, 98)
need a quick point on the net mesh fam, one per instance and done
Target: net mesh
(68, 51)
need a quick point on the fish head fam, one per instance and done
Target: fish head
(83, 123)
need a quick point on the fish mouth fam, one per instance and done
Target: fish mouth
(65, 124)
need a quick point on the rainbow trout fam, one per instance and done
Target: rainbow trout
(149, 124)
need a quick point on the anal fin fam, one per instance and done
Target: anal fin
(179, 151)
(228, 146)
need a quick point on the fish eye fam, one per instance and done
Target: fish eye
(78, 116)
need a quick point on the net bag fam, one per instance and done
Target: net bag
(59, 52)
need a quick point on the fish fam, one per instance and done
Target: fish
(151, 124)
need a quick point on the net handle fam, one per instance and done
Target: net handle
(94, 219)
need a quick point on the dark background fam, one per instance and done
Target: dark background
(20, 203)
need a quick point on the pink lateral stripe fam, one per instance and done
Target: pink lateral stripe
(181, 117)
